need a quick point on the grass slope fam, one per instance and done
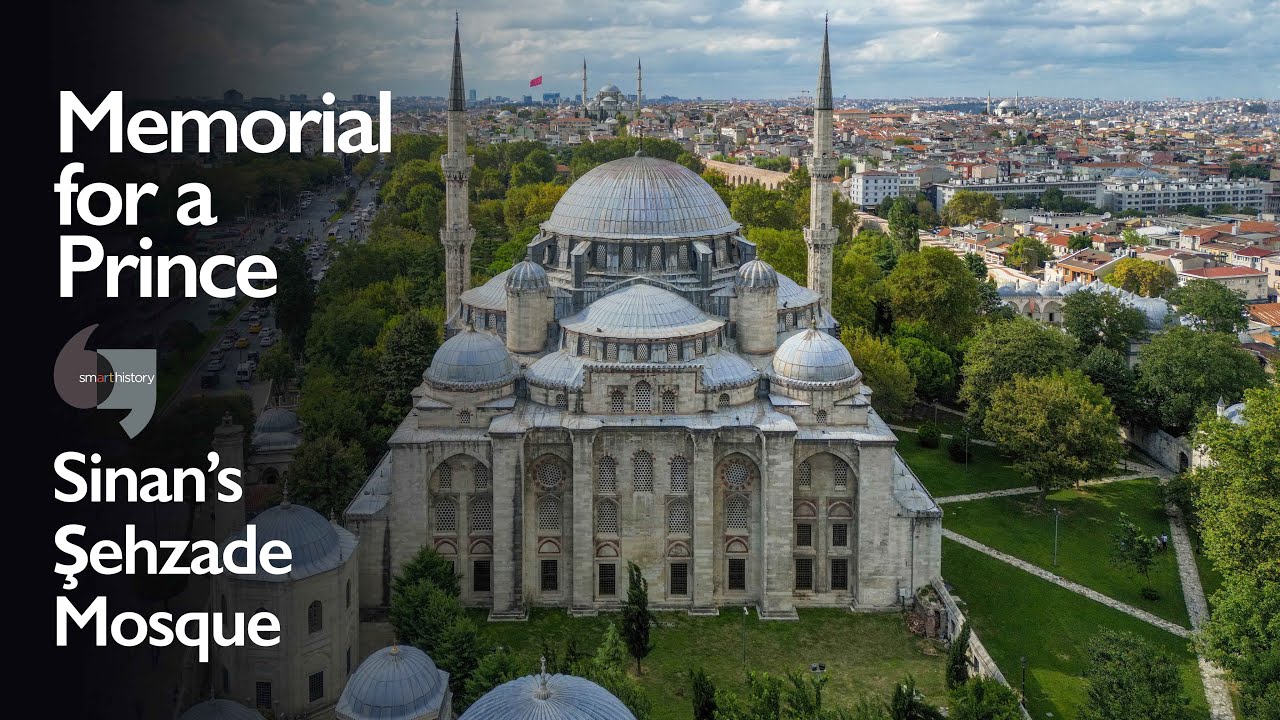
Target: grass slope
(1017, 614)
(864, 653)
(1084, 544)
(986, 470)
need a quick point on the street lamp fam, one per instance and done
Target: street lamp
(745, 613)
(1057, 513)
(1024, 680)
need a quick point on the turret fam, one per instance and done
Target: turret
(755, 308)
(530, 308)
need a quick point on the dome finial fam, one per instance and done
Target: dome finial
(284, 503)
(543, 692)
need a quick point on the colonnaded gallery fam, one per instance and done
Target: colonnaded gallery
(642, 388)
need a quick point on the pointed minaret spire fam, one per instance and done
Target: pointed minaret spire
(820, 236)
(584, 85)
(639, 96)
(457, 234)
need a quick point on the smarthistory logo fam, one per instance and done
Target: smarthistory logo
(108, 380)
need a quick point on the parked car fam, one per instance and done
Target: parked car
(215, 364)
(225, 344)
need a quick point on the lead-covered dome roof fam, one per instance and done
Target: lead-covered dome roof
(640, 197)
(543, 697)
(316, 545)
(527, 275)
(394, 683)
(641, 312)
(471, 360)
(756, 275)
(813, 358)
(220, 710)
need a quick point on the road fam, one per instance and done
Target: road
(311, 221)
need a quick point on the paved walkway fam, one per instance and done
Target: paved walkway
(1143, 471)
(948, 436)
(1075, 587)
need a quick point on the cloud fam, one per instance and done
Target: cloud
(709, 48)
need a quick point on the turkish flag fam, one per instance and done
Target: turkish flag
(536, 81)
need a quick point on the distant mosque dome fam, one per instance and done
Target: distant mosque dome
(220, 710)
(277, 429)
(1005, 104)
(610, 88)
(548, 697)
(812, 357)
(756, 274)
(471, 360)
(395, 683)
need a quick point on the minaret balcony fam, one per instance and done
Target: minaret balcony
(823, 166)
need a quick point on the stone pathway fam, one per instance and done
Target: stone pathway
(948, 436)
(1143, 472)
(1075, 587)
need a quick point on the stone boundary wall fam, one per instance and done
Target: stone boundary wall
(1174, 453)
(980, 661)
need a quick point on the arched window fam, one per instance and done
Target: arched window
(673, 352)
(679, 474)
(644, 397)
(679, 520)
(697, 345)
(607, 517)
(668, 401)
(617, 400)
(642, 472)
(464, 417)
(841, 474)
(655, 258)
(735, 513)
(446, 515)
(482, 476)
(804, 476)
(821, 417)
(444, 476)
(607, 475)
(562, 402)
(315, 617)
(642, 352)
(724, 400)
(549, 514)
(611, 352)
(480, 514)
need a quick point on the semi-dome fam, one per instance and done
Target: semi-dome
(316, 544)
(757, 274)
(527, 275)
(490, 296)
(471, 360)
(640, 197)
(394, 683)
(641, 312)
(220, 710)
(813, 357)
(548, 697)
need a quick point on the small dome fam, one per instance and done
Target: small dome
(813, 356)
(527, 275)
(557, 371)
(220, 710)
(471, 360)
(277, 419)
(757, 275)
(1049, 289)
(641, 312)
(317, 545)
(1007, 289)
(394, 683)
(554, 697)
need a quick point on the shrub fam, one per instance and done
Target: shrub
(958, 449)
(929, 436)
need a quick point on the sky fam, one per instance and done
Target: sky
(1145, 49)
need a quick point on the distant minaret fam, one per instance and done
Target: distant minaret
(584, 86)
(988, 102)
(820, 236)
(457, 233)
(639, 95)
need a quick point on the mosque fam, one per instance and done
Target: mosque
(641, 388)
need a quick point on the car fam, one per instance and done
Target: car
(255, 328)
(242, 343)
(266, 341)
(225, 345)
(215, 364)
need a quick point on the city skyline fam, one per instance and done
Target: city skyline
(749, 49)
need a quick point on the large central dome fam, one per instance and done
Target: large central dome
(639, 198)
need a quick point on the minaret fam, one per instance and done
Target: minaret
(584, 87)
(820, 236)
(457, 233)
(988, 103)
(639, 94)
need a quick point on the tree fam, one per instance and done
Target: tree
(1182, 372)
(984, 699)
(904, 227)
(855, 288)
(1003, 349)
(703, 692)
(883, 369)
(611, 655)
(1131, 237)
(326, 473)
(428, 565)
(1079, 241)
(295, 293)
(1243, 634)
(1109, 369)
(636, 617)
(278, 366)
(494, 669)
(757, 206)
(1131, 548)
(421, 613)
(1131, 678)
(408, 345)
(1059, 429)
(908, 703)
(1210, 306)
(935, 287)
(783, 249)
(1145, 277)
(967, 206)
(537, 167)
(933, 370)
(976, 265)
(958, 659)
(874, 244)
(1027, 253)
(1100, 319)
(459, 649)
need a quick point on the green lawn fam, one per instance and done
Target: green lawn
(1017, 614)
(1088, 517)
(950, 423)
(986, 469)
(865, 653)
